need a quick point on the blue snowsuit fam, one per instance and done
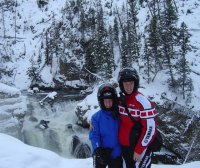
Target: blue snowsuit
(104, 132)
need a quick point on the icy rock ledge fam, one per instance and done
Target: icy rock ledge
(12, 110)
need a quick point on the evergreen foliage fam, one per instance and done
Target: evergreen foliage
(116, 31)
(148, 62)
(183, 70)
(155, 43)
(125, 62)
(132, 30)
(86, 41)
(169, 39)
(4, 69)
(102, 49)
(34, 75)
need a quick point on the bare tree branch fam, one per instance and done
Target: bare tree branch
(97, 76)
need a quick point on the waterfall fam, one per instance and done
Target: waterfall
(52, 125)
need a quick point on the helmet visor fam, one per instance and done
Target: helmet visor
(128, 79)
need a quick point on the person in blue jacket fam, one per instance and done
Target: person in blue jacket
(104, 130)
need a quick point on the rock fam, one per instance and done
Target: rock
(180, 130)
(69, 126)
(75, 142)
(80, 149)
(83, 123)
(42, 3)
(80, 112)
(164, 158)
(33, 119)
(44, 123)
(12, 112)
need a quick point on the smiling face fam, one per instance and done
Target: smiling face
(108, 103)
(129, 86)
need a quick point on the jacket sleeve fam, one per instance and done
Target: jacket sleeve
(148, 122)
(94, 134)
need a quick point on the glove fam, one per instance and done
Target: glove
(101, 155)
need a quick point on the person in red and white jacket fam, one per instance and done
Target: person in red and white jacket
(136, 155)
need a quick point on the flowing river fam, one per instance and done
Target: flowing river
(51, 123)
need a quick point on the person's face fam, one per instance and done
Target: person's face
(108, 103)
(128, 86)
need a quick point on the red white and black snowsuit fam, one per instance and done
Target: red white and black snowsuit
(142, 110)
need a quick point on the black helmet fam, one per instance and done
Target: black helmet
(128, 74)
(106, 91)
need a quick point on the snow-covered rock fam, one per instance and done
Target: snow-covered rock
(12, 110)
(180, 131)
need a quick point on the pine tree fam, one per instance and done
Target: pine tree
(133, 35)
(125, 61)
(88, 44)
(53, 42)
(89, 55)
(34, 74)
(116, 31)
(91, 19)
(99, 57)
(169, 39)
(104, 58)
(183, 69)
(82, 27)
(5, 69)
(124, 46)
(148, 61)
(155, 43)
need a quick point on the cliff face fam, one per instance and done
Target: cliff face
(180, 131)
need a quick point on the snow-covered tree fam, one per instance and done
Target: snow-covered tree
(183, 69)
(169, 39)
(133, 40)
(148, 62)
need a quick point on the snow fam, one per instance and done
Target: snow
(46, 75)
(91, 101)
(9, 90)
(16, 154)
(51, 95)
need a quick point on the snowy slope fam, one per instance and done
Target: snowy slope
(32, 157)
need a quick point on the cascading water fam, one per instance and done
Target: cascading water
(51, 124)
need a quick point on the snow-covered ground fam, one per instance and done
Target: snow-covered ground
(15, 154)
